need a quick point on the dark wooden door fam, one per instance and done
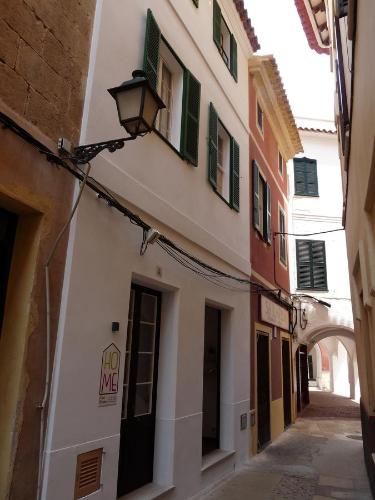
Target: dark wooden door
(298, 372)
(305, 396)
(286, 383)
(211, 381)
(8, 226)
(263, 390)
(136, 458)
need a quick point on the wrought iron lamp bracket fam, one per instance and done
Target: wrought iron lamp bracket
(84, 154)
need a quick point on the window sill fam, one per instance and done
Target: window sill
(170, 145)
(299, 195)
(214, 458)
(227, 65)
(224, 200)
(312, 289)
(150, 491)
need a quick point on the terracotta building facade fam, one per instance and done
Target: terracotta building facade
(43, 62)
(274, 139)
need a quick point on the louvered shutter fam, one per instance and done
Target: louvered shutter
(190, 118)
(212, 146)
(299, 178)
(268, 229)
(217, 23)
(256, 221)
(311, 178)
(233, 56)
(151, 50)
(319, 271)
(235, 174)
(304, 274)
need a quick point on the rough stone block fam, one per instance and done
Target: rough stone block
(23, 20)
(43, 114)
(9, 41)
(41, 76)
(13, 89)
(56, 56)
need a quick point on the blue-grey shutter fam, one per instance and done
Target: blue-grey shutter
(151, 49)
(319, 270)
(268, 229)
(299, 178)
(190, 118)
(304, 265)
(311, 178)
(256, 221)
(212, 146)
(217, 23)
(311, 265)
(234, 174)
(233, 56)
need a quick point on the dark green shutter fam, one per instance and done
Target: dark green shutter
(268, 229)
(311, 178)
(217, 23)
(233, 56)
(151, 50)
(256, 221)
(305, 177)
(212, 146)
(311, 265)
(234, 174)
(190, 118)
(299, 178)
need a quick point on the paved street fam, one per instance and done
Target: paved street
(319, 457)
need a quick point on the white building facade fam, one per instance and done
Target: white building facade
(318, 262)
(150, 389)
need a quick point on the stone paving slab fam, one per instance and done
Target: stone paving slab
(315, 459)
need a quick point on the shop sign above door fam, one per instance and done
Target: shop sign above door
(273, 313)
(109, 376)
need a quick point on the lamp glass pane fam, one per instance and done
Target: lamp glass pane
(150, 108)
(129, 103)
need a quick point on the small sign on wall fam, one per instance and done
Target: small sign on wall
(274, 314)
(109, 376)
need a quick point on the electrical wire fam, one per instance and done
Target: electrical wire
(311, 234)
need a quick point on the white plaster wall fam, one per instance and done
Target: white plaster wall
(316, 214)
(152, 180)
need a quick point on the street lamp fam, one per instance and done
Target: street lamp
(137, 105)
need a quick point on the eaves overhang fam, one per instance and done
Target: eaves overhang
(313, 15)
(269, 86)
(246, 21)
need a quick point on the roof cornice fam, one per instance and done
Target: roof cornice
(269, 85)
(310, 26)
(246, 21)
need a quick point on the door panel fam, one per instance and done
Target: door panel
(263, 389)
(8, 226)
(136, 458)
(286, 383)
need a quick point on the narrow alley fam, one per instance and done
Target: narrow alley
(317, 458)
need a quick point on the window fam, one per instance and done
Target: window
(281, 164)
(282, 237)
(311, 265)
(225, 41)
(178, 123)
(305, 177)
(261, 205)
(223, 161)
(259, 117)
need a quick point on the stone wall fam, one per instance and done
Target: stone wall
(44, 47)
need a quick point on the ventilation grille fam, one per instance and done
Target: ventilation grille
(88, 473)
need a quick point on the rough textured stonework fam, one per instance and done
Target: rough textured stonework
(44, 46)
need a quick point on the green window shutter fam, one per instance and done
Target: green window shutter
(151, 50)
(304, 265)
(311, 178)
(305, 177)
(256, 220)
(234, 174)
(268, 228)
(212, 146)
(299, 178)
(217, 23)
(233, 56)
(190, 118)
(319, 269)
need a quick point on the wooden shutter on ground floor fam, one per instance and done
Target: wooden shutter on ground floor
(190, 118)
(151, 49)
(212, 146)
(235, 175)
(256, 221)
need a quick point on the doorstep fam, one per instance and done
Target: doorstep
(214, 458)
(150, 491)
